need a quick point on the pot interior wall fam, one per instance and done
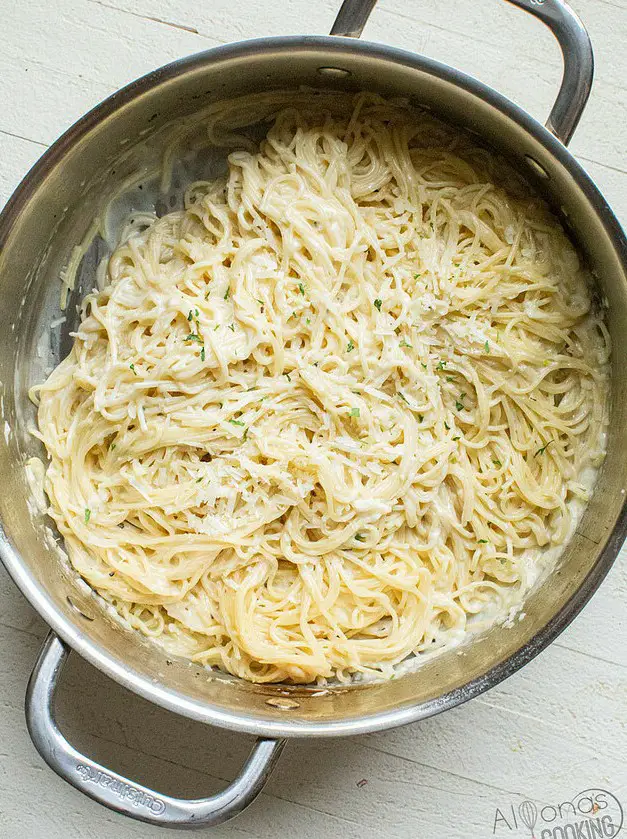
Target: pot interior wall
(70, 191)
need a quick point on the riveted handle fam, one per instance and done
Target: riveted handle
(565, 26)
(352, 17)
(117, 792)
(578, 60)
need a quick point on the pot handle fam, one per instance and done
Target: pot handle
(117, 792)
(565, 25)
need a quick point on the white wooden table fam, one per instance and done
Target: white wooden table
(547, 733)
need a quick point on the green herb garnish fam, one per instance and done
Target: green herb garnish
(440, 365)
(237, 422)
(378, 303)
(354, 412)
(359, 537)
(455, 439)
(232, 327)
(487, 347)
(227, 292)
(424, 366)
(447, 426)
(350, 346)
(542, 450)
(405, 344)
(402, 397)
(193, 337)
(287, 376)
(301, 288)
(189, 317)
(420, 417)
(202, 354)
(497, 463)
(87, 515)
(482, 541)
(132, 366)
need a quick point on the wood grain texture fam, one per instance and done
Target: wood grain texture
(554, 728)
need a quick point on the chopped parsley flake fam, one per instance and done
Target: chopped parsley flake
(308, 321)
(405, 344)
(450, 378)
(350, 346)
(192, 337)
(87, 515)
(189, 317)
(459, 406)
(403, 398)
(420, 417)
(360, 537)
(132, 366)
(455, 439)
(378, 303)
(237, 422)
(287, 376)
(354, 412)
(482, 541)
(301, 288)
(447, 426)
(487, 347)
(196, 313)
(424, 366)
(198, 480)
(417, 275)
(202, 354)
(543, 448)
(440, 365)
(497, 463)
(232, 327)
(226, 293)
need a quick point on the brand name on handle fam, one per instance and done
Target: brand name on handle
(124, 791)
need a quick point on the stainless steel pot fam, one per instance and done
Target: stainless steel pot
(50, 212)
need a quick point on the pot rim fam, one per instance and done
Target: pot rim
(172, 699)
